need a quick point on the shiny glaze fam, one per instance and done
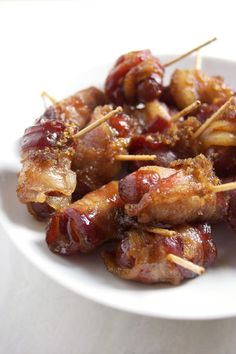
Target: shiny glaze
(94, 160)
(136, 77)
(151, 145)
(87, 223)
(45, 134)
(134, 186)
(183, 196)
(160, 124)
(46, 181)
(141, 255)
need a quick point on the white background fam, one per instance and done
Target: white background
(43, 43)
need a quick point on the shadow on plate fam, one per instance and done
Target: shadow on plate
(10, 205)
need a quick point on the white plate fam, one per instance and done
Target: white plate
(209, 296)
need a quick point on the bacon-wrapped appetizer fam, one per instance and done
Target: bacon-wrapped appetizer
(46, 180)
(174, 143)
(190, 85)
(136, 77)
(188, 192)
(154, 116)
(156, 217)
(87, 223)
(148, 258)
(166, 134)
(216, 138)
(95, 160)
(76, 108)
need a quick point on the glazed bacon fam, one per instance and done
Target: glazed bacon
(87, 223)
(184, 195)
(221, 132)
(154, 116)
(136, 77)
(173, 144)
(47, 150)
(218, 140)
(143, 256)
(46, 175)
(76, 108)
(190, 85)
(133, 187)
(94, 160)
(153, 215)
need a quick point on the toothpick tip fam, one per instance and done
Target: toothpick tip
(189, 52)
(195, 268)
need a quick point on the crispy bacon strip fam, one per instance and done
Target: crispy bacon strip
(76, 108)
(218, 142)
(133, 187)
(184, 195)
(136, 77)
(47, 150)
(87, 223)
(94, 160)
(190, 85)
(142, 256)
(175, 143)
(154, 116)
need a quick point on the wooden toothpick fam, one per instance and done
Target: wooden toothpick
(189, 52)
(185, 264)
(135, 157)
(52, 99)
(186, 110)
(214, 117)
(97, 123)
(198, 64)
(224, 187)
(161, 231)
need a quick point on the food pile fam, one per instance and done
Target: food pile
(146, 166)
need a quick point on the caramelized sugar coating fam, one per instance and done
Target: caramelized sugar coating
(184, 195)
(87, 223)
(190, 85)
(136, 77)
(94, 160)
(47, 150)
(142, 256)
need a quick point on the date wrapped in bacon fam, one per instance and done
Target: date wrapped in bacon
(46, 180)
(185, 194)
(76, 108)
(87, 223)
(143, 256)
(46, 176)
(134, 186)
(136, 77)
(153, 117)
(190, 85)
(174, 143)
(218, 140)
(94, 160)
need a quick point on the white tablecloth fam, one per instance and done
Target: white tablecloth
(45, 39)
